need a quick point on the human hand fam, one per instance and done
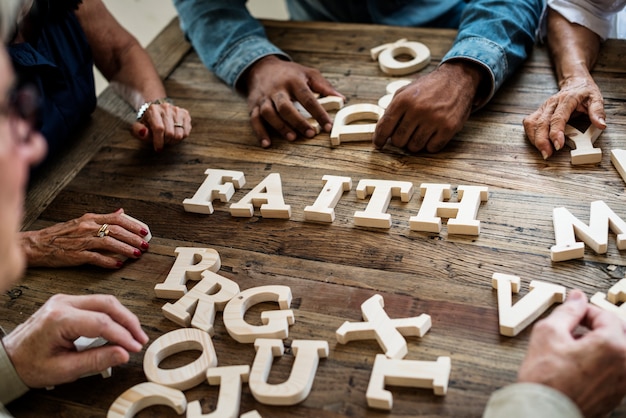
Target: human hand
(545, 127)
(272, 85)
(162, 124)
(590, 368)
(76, 242)
(427, 113)
(42, 348)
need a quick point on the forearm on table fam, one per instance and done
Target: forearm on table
(574, 48)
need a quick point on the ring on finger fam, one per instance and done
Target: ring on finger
(179, 125)
(103, 231)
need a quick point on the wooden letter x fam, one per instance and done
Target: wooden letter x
(203, 300)
(276, 323)
(388, 332)
(407, 373)
(268, 194)
(513, 319)
(229, 378)
(144, 395)
(298, 386)
(567, 227)
(583, 152)
(214, 187)
(381, 190)
(323, 209)
(462, 215)
(189, 265)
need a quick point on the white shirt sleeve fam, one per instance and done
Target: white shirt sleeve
(596, 15)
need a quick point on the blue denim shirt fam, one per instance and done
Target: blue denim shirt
(493, 33)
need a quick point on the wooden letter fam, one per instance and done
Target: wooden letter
(406, 373)
(387, 54)
(381, 190)
(323, 209)
(327, 103)
(567, 227)
(344, 132)
(618, 158)
(268, 194)
(584, 152)
(183, 339)
(144, 395)
(208, 296)
(462, 215)
(214, 187)
(87, 343)
(388, 332)
(392, 88)
(276, 323)
(229, 378)
(189, 265)
(295, 389)
(513, 319)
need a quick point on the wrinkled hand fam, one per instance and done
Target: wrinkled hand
(76, 242)
(42, 349)
(427, 113)
(589, 368)
(272, 85)
(545, 127)
(160, 125)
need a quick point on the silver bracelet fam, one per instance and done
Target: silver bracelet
(144, 107)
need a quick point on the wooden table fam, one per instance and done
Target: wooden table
(331, 268)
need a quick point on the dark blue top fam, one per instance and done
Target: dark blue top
(60, 65)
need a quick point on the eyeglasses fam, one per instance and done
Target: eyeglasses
(22, 105)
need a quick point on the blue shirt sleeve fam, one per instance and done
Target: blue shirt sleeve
(225, 36)
(497, 35)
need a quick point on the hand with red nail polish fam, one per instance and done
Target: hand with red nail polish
(101, 240)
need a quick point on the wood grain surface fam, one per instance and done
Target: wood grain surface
(331, 268)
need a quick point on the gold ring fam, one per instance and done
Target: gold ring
(179, 125)
(103, 231)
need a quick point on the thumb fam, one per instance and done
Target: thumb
(570, 314)
(94, 360)
(597, 116)
(140, 131)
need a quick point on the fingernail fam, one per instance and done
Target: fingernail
(291, 136)
(265, 143)
(120, 210)
(143, 132)
(557, 146)
(145, 245)
(575, 296)
(119, 264)
(310, 133)
(143, 232)
(602, 121)
(137, 253)
(544, 155)
(328, 127)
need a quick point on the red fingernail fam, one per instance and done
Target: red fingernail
(143, 233)
(145, 245)
(119, 264)
(137, 253)
(143, 132)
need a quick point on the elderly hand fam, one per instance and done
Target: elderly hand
(589, 368)
(546, 125)
(42, 350)
(76, 242)
(163, 124)
(272, 85)
(427, 113)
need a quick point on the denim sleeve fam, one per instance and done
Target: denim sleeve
(225, 36)
(496, 34)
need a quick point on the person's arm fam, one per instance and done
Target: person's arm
(123, 61)
(493, 40)
(233, 45)
(42, 348)
(574, 49)
(577, 352)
